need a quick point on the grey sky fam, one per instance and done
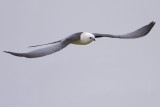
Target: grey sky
(106, 73)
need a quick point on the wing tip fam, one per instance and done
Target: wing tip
(152, 23)
(150, 26)
(147, 29)
(15, 54)
(7, 52)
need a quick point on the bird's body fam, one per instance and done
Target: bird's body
(85, 38)
(81, 38)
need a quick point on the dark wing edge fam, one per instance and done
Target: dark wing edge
(48, 50)
(135, 34)
(15, 54)
(45, 44)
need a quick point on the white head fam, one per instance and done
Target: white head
(87, 38)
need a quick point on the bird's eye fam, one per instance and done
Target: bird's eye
(90, 37)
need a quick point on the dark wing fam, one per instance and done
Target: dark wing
(48, 50)
(135, 34)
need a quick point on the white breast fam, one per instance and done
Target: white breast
(84, 39)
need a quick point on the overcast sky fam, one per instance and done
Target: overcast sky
(106, 73)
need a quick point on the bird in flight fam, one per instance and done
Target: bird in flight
(81, 38)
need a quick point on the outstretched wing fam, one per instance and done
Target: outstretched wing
(135, 34)
(48, 50)
(40, 52)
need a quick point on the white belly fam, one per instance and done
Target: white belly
(82, 42)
